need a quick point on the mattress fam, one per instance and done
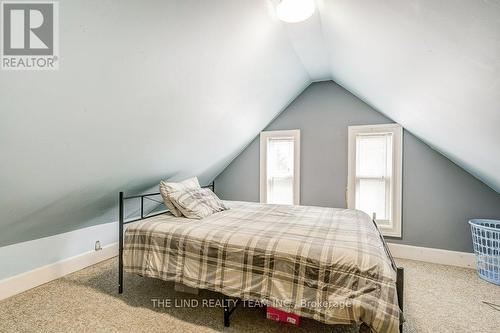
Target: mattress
(328, 264)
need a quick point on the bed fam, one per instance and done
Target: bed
(328, 264)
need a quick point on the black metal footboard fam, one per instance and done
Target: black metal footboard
(228, 310)
(399, 274)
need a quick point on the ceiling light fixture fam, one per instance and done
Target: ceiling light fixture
(292, 11)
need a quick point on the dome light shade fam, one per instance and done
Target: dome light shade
(292, 11)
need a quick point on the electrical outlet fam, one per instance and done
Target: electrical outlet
(98, 246)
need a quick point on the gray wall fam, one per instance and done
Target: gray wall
(438, 196)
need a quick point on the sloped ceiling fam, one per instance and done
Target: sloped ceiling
(432, 66)
(170, 89)
(146, 90)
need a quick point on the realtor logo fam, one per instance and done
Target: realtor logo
(30, 35)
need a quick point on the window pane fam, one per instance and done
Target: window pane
(280, 190)
(280, 159)
(373, 174)
(371, 151)
(371, 197)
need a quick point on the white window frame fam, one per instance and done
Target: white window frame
(264, 139)
(395, 228)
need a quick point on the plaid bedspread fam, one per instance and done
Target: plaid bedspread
(323, 263)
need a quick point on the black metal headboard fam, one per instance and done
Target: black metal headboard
(122, 222)
(148, 196)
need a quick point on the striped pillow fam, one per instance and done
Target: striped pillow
(166, 190)
(197, 203)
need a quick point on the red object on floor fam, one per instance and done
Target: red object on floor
(282, 316)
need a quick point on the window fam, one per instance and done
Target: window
(279, 167)
(374, 174)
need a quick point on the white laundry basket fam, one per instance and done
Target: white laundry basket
(486, 241)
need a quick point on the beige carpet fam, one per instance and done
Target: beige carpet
(437, 299)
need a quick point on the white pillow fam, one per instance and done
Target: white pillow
(168, 188)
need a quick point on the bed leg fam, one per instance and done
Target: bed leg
(400, 276)
(120, 245)
(228, 310)
(226, 316)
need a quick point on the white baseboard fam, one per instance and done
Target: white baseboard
(25, 281)
(436, 256)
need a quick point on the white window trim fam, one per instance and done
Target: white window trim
(264, 136)
(397, 131)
